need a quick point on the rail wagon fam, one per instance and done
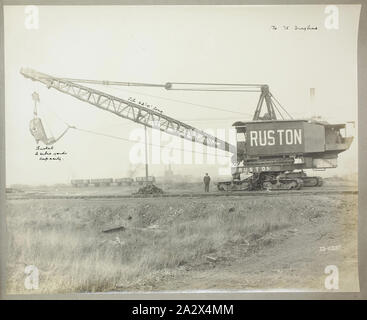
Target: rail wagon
(142, 180)
(101, 182)
(80, 182)
(124, 181)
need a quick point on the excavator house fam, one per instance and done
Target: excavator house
(275, 153)
(272, 150)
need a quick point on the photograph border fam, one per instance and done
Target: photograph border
(258, 294)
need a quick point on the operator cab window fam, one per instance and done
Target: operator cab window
(241, 134)
(333, 135)
(241, 137)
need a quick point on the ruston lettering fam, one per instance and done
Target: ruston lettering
(277, 137)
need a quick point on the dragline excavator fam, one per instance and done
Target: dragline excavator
(271, 151)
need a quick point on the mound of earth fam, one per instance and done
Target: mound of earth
(149, 189)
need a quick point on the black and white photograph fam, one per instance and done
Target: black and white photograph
(181, 148)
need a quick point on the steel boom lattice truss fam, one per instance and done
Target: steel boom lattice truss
(129, 110)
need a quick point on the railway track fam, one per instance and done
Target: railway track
(315, 191)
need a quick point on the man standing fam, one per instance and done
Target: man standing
(206, 182)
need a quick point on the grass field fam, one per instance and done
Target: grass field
(163, 240)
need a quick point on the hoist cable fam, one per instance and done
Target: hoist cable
(151, 144)
(123, 139)
(184, 102)
(281, 106)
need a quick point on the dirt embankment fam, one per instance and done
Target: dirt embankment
(183, 243)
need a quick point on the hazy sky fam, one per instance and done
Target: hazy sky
(229, 44)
